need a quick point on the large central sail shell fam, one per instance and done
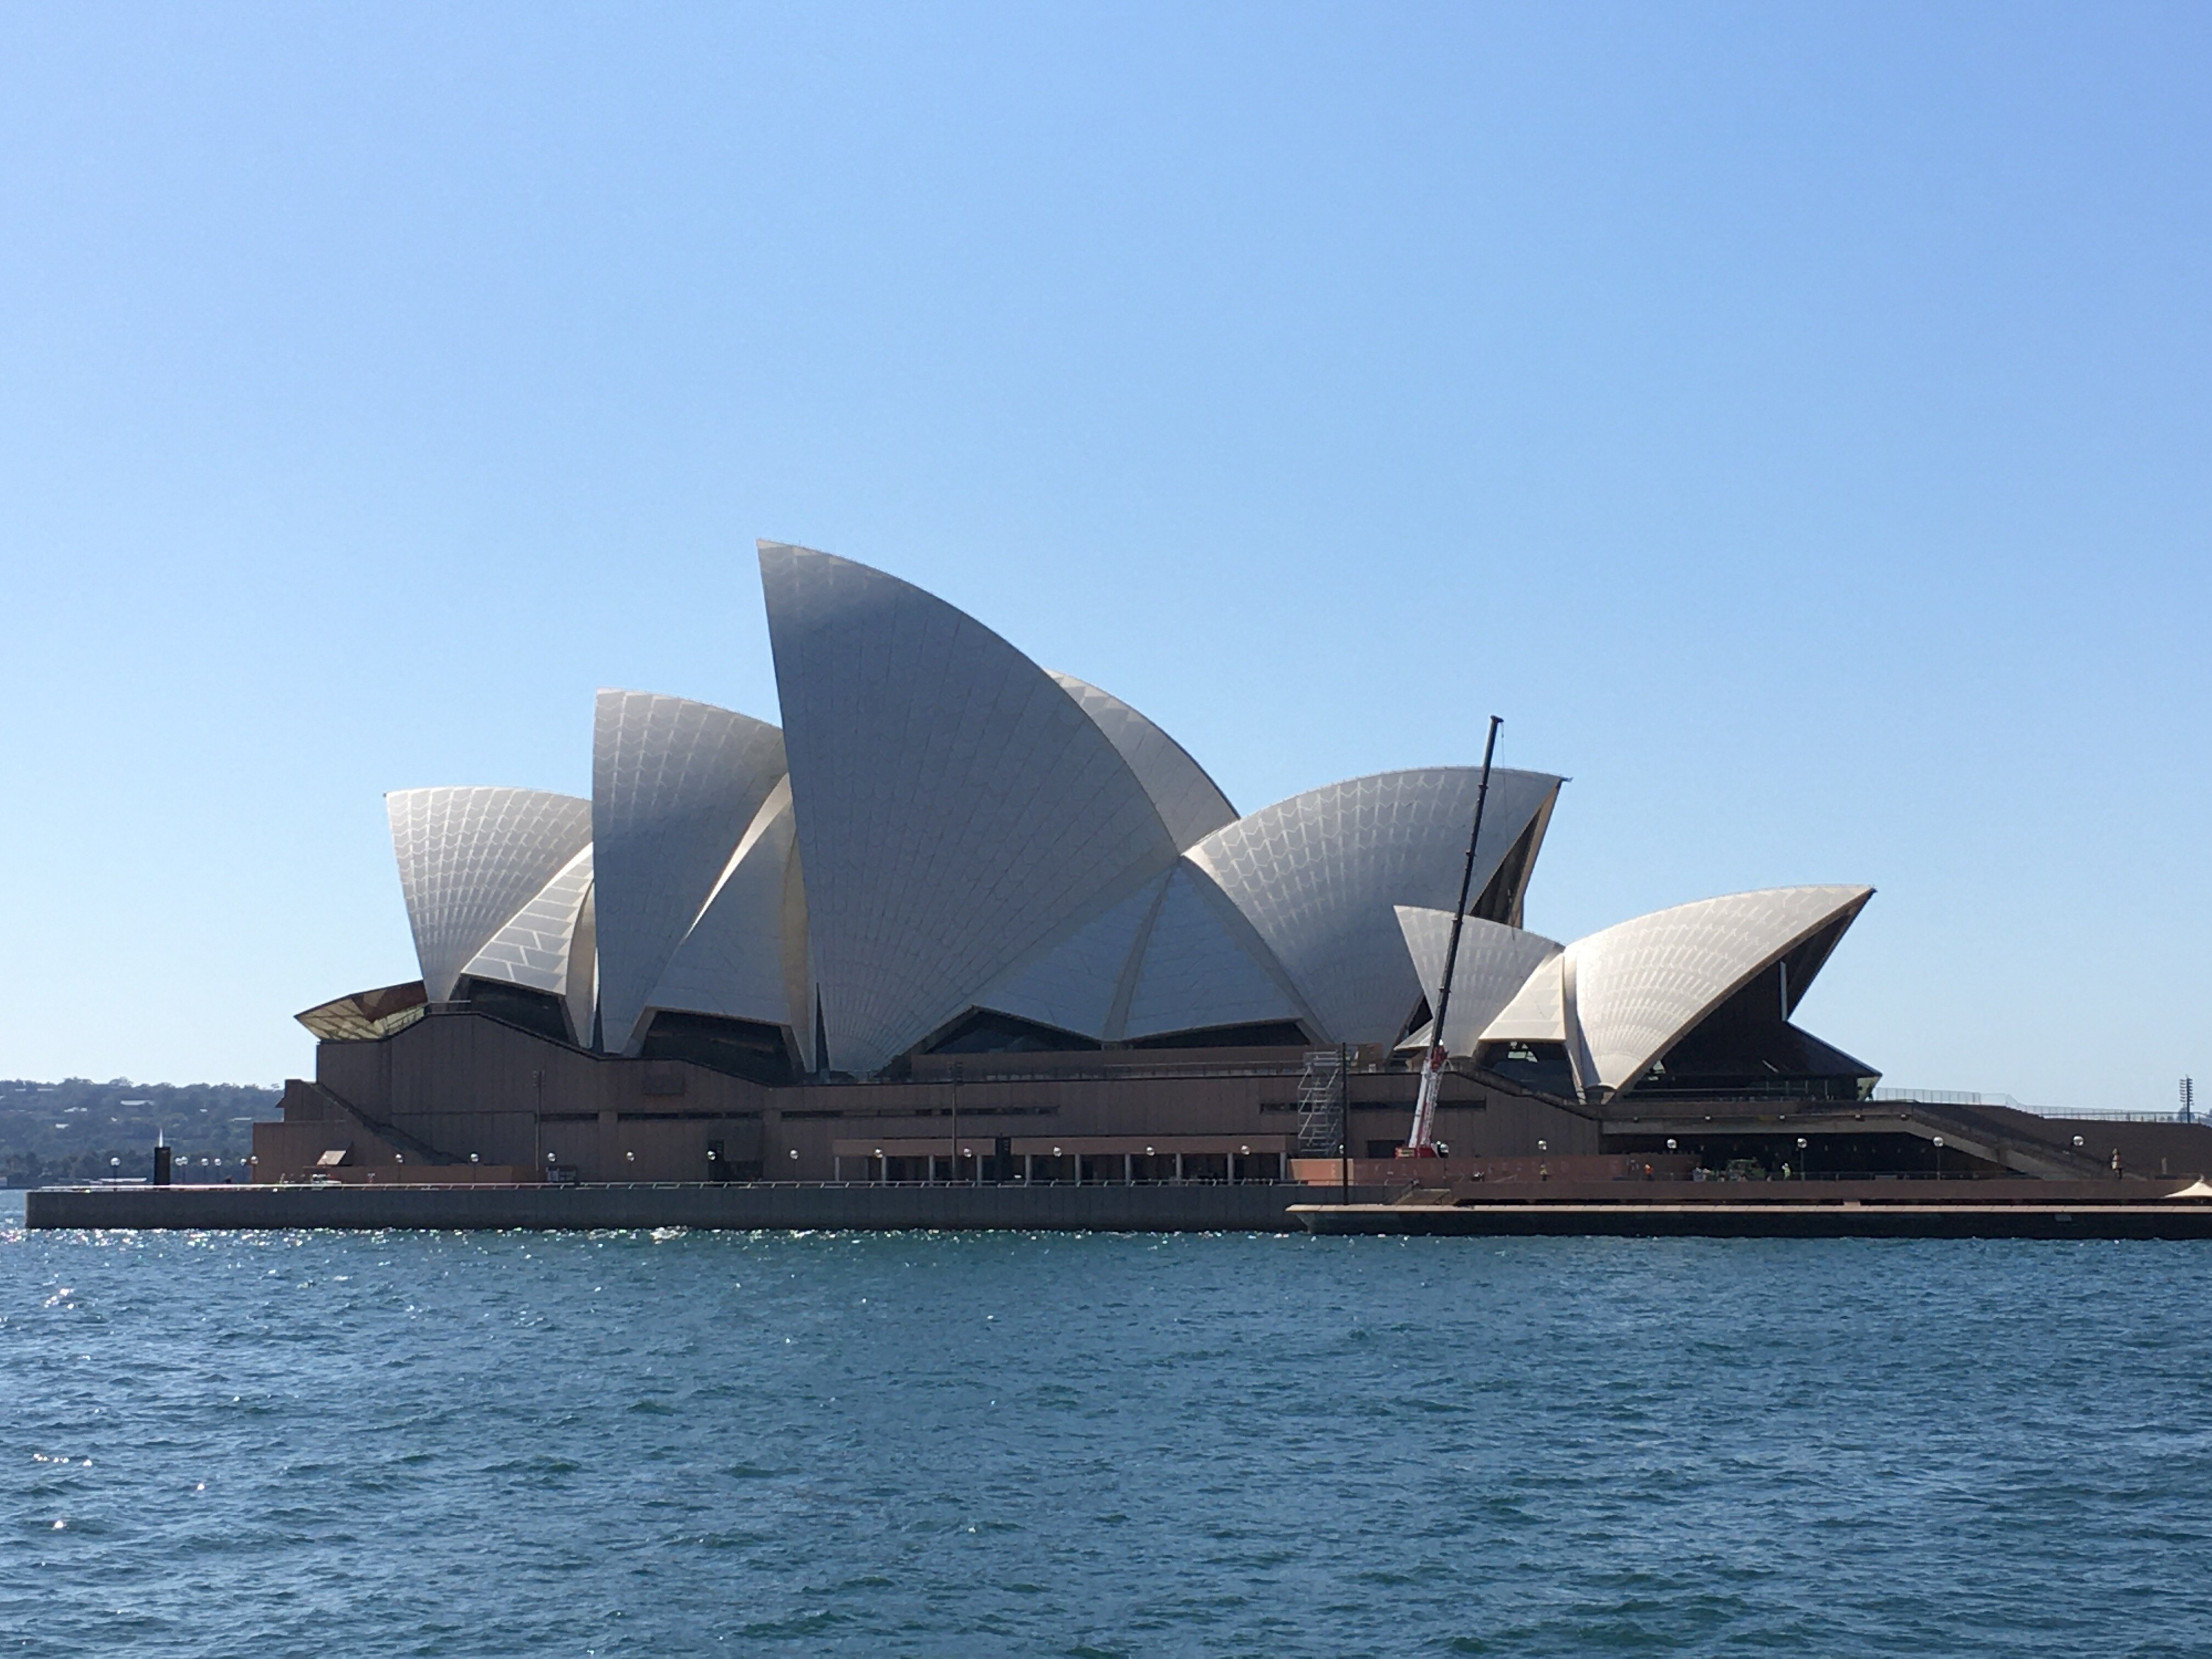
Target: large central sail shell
(1190, 803)
(956, 807)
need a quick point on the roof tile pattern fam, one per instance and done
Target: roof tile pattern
(1190, 803)
(1638, 987)
(1320, 876)
(1072, 986)
(1538, 1011)
(674, 784)
(732, 961)
(470, 858)
(533, 948)
(1196, 973)
(1494, 962)
(955, 808)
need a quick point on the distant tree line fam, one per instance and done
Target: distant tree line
(71, 1130)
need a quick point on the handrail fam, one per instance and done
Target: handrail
(1969, 1097)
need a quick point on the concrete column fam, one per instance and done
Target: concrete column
(836, 1168)
(1178, 1168)
(1078, 1169)
(1029, 1169)
(1128, 1169)
(1232, 1169)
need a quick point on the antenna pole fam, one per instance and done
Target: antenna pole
(1422, 1143)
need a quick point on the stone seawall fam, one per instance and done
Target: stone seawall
(1242, 1208)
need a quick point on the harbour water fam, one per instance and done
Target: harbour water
(625, 1443)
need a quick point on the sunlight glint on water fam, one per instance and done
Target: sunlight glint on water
(625, 1443)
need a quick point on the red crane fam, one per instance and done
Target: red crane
(1422, 1143)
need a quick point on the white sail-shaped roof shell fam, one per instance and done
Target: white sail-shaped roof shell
(1621, 998)
(1320, 876)
(745, 957)
(1175, 956)
(1190, 803)
(1495, 962)
(470, 859)
(675, 784)
(547, 945)
(1538, 1011)
(1082, 983)
(1636, 989)
(956, 809)
(1198, 970)
(1088, 980)
(582, 994)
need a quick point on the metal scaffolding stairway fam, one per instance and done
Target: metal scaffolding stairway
(1322, 1089)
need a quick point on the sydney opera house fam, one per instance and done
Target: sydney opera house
(960, 915)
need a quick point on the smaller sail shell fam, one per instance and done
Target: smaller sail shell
(1639, 986)
(470, 859)
(1319, 876)
(675, 783)
(1495, 962)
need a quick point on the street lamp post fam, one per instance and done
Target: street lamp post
(1938, 1157)
(1803, 1144)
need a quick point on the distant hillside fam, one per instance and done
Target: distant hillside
(70, 1130)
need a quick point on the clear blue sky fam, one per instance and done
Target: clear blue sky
(1794, 420)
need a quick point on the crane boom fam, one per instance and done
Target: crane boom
(1422, 1142)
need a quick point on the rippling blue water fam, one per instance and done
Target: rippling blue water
(959, 1444)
